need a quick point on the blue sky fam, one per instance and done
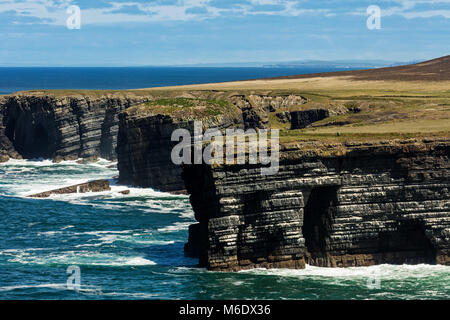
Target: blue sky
(171, 32)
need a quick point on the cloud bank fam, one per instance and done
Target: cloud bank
(53, 12)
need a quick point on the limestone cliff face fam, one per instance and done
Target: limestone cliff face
(256, 107)
(7, 149)
(77, 125)
(144, 149)
(345, 205)
(144, 145)
(62, 127)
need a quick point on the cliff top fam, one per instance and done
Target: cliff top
(365, 116)
(356, 114)
(373, 147)
(94, 94)
(183, 108)
(388, 103)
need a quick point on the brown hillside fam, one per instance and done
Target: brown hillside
(432, 70)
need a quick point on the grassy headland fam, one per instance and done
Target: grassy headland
(389, 103)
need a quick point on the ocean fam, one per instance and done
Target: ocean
(131, 246)
(120, 78)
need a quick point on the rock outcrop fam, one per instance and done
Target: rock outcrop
(284, 117)
(144, 143)
(4, 158)
(302, 119)
(332, 205)
(85, 124)
(91, 186)
(7, 149)
(256, 107)
(62, 127)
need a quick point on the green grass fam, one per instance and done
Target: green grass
(373, 114)
(186, 108)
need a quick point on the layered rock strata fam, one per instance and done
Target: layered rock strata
(331, 205)
(145, 145)
(144, 141)
(85, 124)
(256, 107)
(35, 125)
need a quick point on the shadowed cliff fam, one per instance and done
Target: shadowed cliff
(330, 205)
(59, 127)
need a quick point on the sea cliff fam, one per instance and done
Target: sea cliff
(331, 205)
(62, 126)
(364, 173)
(145, 131)
(144, 138)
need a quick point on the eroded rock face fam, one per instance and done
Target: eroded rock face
(91, 186)
(78, 125)
(353, 205)
(284, 117)
(144, 147)
(7, 150)
(256, 107)
(302, 119)
(62, 127)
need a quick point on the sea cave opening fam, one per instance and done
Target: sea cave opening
(38, 144)
(408, 243)
(318, 219)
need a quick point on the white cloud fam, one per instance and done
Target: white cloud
(409, 9)
(45, 10)
(264, 2)
(53, 11)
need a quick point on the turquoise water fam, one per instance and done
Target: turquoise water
(131, 247)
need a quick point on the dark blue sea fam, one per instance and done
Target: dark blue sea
(131, 246)
(20, 79)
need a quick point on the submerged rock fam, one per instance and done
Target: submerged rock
(59, 159)
(91, 159)
(4, 158)
(91, 186)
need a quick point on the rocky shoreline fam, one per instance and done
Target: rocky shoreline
(330, 205)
